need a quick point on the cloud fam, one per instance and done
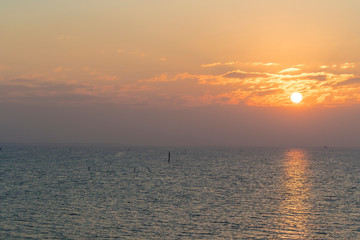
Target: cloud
(350, 81)
(172, 90)
(58, 69)
(33, 90)
(347, 65)
(292, 69)
(266, 92)
(218, 64)
(342, 66)
(243, 75)
(265, 64)
(266, 89)
(211, 64)
(99, 75)
(165, 77)
(160, 78)
(318, 77)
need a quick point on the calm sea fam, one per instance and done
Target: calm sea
(108, 192)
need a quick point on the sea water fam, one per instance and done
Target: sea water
(111, 192)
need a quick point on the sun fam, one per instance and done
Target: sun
(296, 97)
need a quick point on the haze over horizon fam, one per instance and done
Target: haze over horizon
(180, 73)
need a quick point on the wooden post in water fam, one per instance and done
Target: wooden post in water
(169, 158)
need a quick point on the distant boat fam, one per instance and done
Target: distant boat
(326, 147)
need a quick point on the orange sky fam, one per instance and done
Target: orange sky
(167, 56)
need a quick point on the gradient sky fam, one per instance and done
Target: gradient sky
(180, 72)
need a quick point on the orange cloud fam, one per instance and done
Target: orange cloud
(347, 65)
(292, 69)
(211, 64)
(266, 89)
(218, 64)
(243, 75)
(324, 66)
(265, 64)
(255, 88)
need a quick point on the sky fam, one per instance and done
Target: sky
(180, 73)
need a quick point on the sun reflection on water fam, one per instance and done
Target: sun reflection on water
(294, 210)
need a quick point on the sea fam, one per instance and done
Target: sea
(120, 192)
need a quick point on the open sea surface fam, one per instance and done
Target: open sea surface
(111, 192)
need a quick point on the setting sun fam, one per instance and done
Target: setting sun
(296, 97)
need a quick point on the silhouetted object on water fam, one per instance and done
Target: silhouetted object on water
(169, 158)
(88, 168)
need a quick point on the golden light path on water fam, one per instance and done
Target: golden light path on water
(294, 211)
